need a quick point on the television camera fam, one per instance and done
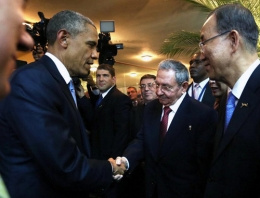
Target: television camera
(106, 49)
(38, 31)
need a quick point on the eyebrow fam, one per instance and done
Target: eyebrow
(92, 43)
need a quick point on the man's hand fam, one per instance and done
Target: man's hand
(122, 160)
(118, 170)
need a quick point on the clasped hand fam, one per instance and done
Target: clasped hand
(119, 167)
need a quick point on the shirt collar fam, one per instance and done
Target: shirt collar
(174, 107)
(202, 83)
(241, 82)
(60, 66)
(105, 93)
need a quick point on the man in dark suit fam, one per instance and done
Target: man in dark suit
(110, 132)
(44, 147)
(229, 42)
(176, 164)
(199, 89)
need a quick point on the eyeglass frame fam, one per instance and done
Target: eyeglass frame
(164, 88)
(149, 85)
(202, 43)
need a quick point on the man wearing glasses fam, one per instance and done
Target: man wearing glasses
(229, 42)
(148, 93)
(175, 139)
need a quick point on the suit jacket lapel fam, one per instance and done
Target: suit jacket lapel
(176, 127)
(245, 105)
(154, 127)
(51, 67)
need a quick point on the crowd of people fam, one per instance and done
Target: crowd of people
(176, 140)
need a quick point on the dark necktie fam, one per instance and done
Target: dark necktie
(72, 91)
(99, 100)
(164, 122)
(230, 107)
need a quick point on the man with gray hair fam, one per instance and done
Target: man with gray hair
(44, 146)
(175, 140)
(229, 44)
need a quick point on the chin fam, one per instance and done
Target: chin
(4, 90)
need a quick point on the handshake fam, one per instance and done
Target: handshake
(120, 165)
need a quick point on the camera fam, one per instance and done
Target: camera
(106, 49)
(38, 31)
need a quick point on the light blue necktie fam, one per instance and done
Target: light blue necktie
(72, 91)
(230, 107)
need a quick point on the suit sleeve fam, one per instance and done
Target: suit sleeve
(35, 111)
(121, 123)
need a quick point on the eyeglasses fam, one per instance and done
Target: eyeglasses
(149, 85)
(164, 88)
(202, 43)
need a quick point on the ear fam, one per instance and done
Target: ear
(63, 38)
(114, 79)
(184, 86)
(234, 37)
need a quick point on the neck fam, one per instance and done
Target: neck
(199, 80)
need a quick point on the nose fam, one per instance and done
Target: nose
(159, 91)
(202, 56)
(25, 41)
(146, 88)
(94, 54)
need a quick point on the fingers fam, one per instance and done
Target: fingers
(118, 169)
(122, 160)
(117, 177)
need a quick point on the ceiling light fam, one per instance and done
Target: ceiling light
(133, 74)
(146, 58)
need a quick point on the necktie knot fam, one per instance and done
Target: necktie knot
(166, 110)
(99, 100)
(197, 85)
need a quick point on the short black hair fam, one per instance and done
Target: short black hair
(107, 67)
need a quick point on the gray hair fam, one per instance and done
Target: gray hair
(181, 72)
(71, 21)
(237, 17)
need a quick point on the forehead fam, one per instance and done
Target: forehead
(102, 71)
(131, 88)
(209, 27)
(165, 76)
(147, 80)
(91, 32)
